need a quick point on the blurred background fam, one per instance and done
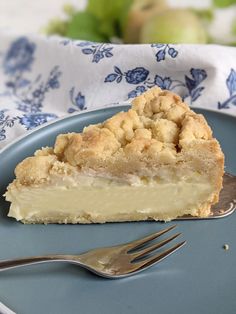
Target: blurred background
(125, 21)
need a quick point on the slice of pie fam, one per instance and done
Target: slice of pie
(157, 161)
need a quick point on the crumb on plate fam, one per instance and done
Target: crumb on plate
(226, 247)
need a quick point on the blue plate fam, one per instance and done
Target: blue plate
(199, 278)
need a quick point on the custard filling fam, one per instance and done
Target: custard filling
(105, 199)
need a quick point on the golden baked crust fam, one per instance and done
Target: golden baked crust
(159, 131)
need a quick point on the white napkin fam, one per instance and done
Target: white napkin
(45, 78)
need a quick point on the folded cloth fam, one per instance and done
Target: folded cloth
(43, 78)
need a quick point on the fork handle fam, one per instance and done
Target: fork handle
(13, 263)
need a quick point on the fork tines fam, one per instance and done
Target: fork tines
(139, 249)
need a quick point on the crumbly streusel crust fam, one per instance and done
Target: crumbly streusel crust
(159, 132)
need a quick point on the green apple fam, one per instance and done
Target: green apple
(84, 26)
(56, 26)
(139, 13)
(174, 26)
(108, 13)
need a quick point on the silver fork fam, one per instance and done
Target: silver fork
(110, 262)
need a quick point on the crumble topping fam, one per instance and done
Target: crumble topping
(157, 122)
(158, 129)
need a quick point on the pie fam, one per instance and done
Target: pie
(157, 161)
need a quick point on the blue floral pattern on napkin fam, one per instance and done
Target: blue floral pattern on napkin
(19, 57)
(77, 100)
(190, 86)
(97, 51)
(27, 94)
(30, 121)
(5, 122)
(133, 76)
(231, 86)
(164, 50)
